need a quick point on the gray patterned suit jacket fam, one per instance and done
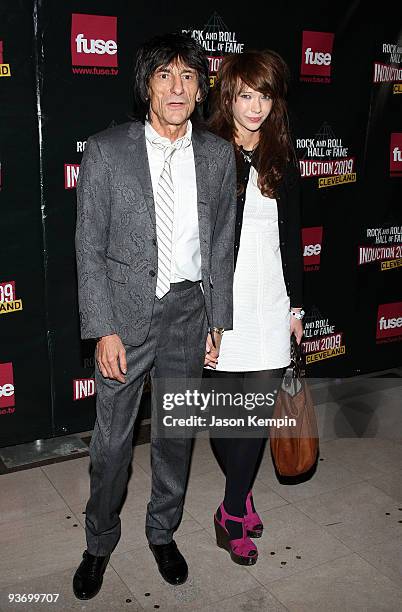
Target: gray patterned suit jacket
(116, 247)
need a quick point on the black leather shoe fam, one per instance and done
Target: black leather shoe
(171, 563)
(88, 578)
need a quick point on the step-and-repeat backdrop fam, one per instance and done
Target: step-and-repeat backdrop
(65, 74)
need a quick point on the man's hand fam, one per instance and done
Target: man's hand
(111, 357)
(211, 351)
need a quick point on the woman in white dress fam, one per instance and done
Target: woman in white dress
(249, 109)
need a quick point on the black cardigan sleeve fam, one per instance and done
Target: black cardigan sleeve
(291, 244)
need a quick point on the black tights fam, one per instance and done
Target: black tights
(239, 457)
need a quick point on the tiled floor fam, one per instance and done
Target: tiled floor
(333, 543)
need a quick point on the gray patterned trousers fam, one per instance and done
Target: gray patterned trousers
(174, 348)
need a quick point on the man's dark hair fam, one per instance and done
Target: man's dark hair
(161, 51)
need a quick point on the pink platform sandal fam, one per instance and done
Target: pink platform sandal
(252, 521)
(242, 550)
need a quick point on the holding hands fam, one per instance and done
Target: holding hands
(211, 351)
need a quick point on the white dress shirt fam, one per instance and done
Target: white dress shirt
(186, 254)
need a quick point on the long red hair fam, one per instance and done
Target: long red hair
(267, 73)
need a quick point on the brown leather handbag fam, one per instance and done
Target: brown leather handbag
(294, 448)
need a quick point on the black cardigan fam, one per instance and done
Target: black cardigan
(289, 225)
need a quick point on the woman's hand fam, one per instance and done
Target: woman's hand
(296, 328)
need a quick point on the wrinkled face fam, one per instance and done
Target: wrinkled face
(173, 92)
(250, 109)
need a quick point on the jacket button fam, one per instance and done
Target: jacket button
(154, 241)
(282, 243)
(281, 221)
(152, 273)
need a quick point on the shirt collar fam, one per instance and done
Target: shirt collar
(158, 141)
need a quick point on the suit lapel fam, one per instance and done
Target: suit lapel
(203, 197)
(141, 168)
(139, 153)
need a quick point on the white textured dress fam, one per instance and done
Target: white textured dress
(260, 339)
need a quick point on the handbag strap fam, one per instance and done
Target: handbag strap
(296, 358)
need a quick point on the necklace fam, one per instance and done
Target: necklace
(247, 155)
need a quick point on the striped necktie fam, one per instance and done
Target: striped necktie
(164, 216)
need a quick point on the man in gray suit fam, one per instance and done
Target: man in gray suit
(154, 242)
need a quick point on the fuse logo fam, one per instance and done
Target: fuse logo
(312, 243)
(316, 56)
(99, 46)
(395, 156)
(389, 321)
(71, 172)
(83, 388)
(4, 68)
(94, 43)
(7, 397)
